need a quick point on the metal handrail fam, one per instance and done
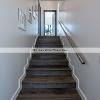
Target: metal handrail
(73, 45)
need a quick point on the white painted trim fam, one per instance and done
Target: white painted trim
(24, 74)
(81, 93)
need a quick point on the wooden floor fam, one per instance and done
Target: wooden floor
(48, 76)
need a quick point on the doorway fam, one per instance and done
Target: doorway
(50, 22)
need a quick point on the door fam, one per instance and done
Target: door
(50, 23)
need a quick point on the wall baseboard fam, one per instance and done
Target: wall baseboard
(81, 93)
(24, 74)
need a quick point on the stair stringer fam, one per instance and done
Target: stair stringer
(24, 73)
(81, 93)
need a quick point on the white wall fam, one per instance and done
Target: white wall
(12, 65)
(82, 17)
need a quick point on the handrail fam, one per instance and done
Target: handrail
(73, 45)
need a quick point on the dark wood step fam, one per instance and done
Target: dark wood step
(45, 37)
(41, 62)
(48, 68)
(68, 95)
(49, 45)
(48, 38)
(49, 80)
(34, 73)
(48, 91)
(50, 41)
(30, 84)
(49, 56)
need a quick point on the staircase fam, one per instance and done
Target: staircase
(48, 76)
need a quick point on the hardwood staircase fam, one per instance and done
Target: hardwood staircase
(48, 76)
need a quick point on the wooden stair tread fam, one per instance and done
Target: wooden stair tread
(68, 95)
(49, 68)
(49, 46)
(48, 56)
(48, 62)
(48, 95)
(49, 80)
(48, 91)
(47, 38)
(48, 41)
(34, 73)
(49, 85)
